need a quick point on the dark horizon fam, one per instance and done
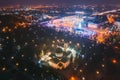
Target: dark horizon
(5, 3)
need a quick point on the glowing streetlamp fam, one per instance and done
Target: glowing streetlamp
(72, 78)
(114, 61)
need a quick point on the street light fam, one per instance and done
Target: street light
(72, 78)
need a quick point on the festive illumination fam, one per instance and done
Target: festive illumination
(62, 55)
(77, 25)
(110, 19)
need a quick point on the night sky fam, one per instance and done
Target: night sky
(69, 2)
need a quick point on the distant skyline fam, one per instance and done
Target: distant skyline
(60, 2)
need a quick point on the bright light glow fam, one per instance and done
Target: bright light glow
(72, 78)
(77, 25)
(103, 65)
(83, 78)
(25, 69)
(3, 68)
(59, 53)
(81, 70)
(17, 64)
(97, 72)
(114, 61)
